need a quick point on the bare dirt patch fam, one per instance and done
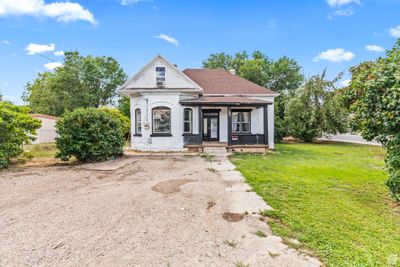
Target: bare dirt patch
(70, 216)
(232, 217)
(210, 204)
(170, 186)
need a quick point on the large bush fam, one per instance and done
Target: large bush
(16, 128)
(373, 97)
(89, 135)
(118, 115)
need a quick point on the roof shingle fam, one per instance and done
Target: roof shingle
(220, 81)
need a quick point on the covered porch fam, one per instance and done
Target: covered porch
(235, 122)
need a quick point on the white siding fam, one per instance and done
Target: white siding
(271, 119)
(47, 132)
(156, 143)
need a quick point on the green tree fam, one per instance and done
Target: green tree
(316, 109)
(283, 76)
(80, 82)
(89, 135)
(16, 128)
(124, 106)
(373, 98)
(218, 60)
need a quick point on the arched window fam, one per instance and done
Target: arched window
(138, 121)
(187, 120)
(161, 121)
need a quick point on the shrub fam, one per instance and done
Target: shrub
(16, 128)
(89, 135)
(118, 115)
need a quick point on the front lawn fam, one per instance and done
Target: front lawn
(330, 197)
(47, 150)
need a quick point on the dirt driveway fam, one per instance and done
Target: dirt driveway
(154, 212)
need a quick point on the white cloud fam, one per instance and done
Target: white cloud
(59, 53)
(338, 3)
(131, 2)
(9, 97)
(168, 39)
(61, 11)
(335, 55)
(344, 12)
(344, 83)
(33, 49)
(395, 32)
(52, 65)
(5, 42)
(374, 48)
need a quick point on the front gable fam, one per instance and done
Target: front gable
(146, 78)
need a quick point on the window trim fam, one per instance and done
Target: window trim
(152, 122)
(190, 121)
(241, 122)
(165, 76)
(137, 133)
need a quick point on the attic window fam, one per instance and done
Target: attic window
(160, 76)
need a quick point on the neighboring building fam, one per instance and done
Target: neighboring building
(174, 110)
(47, 132)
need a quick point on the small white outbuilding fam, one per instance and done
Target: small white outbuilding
(47, 132)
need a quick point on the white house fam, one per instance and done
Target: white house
(47, 131)
(174, 110)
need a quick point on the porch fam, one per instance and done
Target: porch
(237, 123)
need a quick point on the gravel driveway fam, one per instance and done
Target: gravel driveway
(158, 211)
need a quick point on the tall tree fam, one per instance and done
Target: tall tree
(124, 106)
(80, 82)
(373, 97)
(315, 109)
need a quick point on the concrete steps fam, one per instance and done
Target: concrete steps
(215, 150)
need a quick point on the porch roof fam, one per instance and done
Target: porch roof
(224, 101)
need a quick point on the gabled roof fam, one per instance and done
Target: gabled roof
(130, 84)
(219, 81)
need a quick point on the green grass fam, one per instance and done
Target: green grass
(47, 150)
(260, 233)
(330, 197)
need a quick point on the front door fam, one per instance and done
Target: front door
(211, 126)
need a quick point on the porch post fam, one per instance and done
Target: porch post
(265, 125)
(229, 126)
(200, 124)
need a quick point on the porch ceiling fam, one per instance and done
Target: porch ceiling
(224, 101)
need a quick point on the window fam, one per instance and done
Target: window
(187, 120)
(241, 122)
(160, 76)
(161, 120)
(138, 122)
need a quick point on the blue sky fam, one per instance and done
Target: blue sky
(319, 34)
